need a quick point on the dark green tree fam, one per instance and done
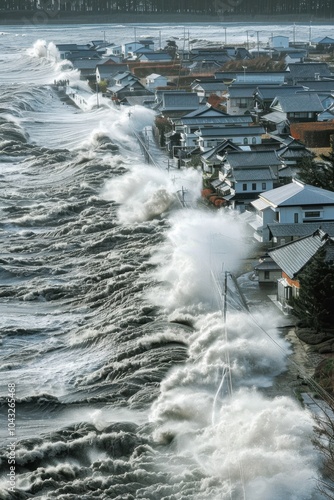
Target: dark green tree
(316, 298)
(319, 174)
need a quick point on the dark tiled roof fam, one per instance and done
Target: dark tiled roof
(253, 159)
(304, 101)
(271, 91)
(254, 174)
(229, 131)
(299, 230)
(240, 91)
(181, 101)
(218, 120)
(211, 86)
(308, 70)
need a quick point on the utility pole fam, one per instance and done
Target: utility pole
(258, 43)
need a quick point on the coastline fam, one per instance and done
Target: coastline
(46, 17)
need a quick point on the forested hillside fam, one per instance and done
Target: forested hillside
(312, 8)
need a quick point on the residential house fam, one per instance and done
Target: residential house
(205, 87)
(299, 72)
(279, 42)
(267, 271)
(293, 258)
(279, 234)
(295, 56)
(204, 116)
(108, 72)
(254, 77)
(293, 151)
(174, 103)
(154, 80)
(125, 84)
(300, 107)
(209, 137)
(327, 115)
(287, 109)
(240, 99)
(265, 94)
(155, 57)
(325, 44)
(319, 85)
(87, 68)
(245, 174)
(145, 100)
(213, 158)
(293, 203)
(129, 48)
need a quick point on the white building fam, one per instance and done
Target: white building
(294, 203)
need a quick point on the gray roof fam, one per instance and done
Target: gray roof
(271, 91)
(236, 91)
(205, 110)
(251, 159)
(147, 101)
(275, 117)
(267, 265)
(254, 174)
(181, 101)
(220, 149)
(85, 64)
(229, 131)
(215, 120)
(111, 69)
(298, 194)
(299, 230)
(303, 101)
(156, 56)
(308, 70)
(294, 256)
(322, 85)
(211, 86)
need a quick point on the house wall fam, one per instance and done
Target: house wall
(253, 187)
(238, 106)
(271, 277)
(312, 214)
(244, 140)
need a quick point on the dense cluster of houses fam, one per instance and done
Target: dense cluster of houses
(249, 146)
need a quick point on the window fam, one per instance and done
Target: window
(264, 186)
(266, 275)
(254, 186)
(277, 216)
(245, 140)
(312, 214)
(244, 187)
(295, 218)
(253, 140)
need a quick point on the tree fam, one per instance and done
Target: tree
(316, 298)
(319, 174)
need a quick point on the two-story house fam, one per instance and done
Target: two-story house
(294, 203)
(209, 137)
(245, 174)
(265, 94)
(300, 107)
(204, 116)
(205, 87)
(240, 99)
(293, 258)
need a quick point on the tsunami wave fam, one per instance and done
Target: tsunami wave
(134, 378)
